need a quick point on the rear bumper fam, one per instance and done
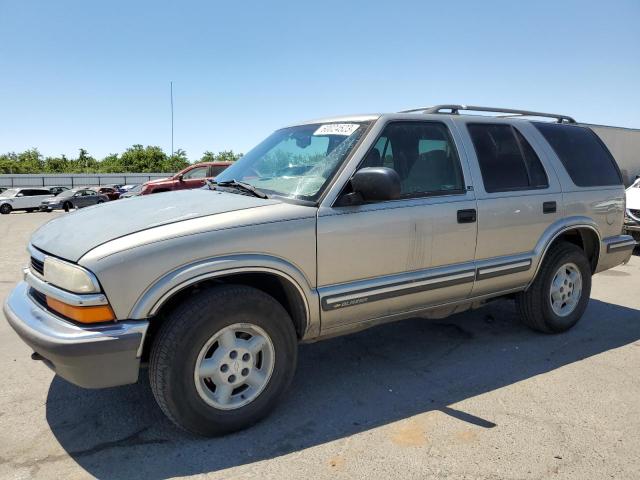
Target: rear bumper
(90, 357)
(615, 250)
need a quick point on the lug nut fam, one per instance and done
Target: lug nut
(246, 357)
(245, 372)
(232, 378)
(224, 368)
(233, 354)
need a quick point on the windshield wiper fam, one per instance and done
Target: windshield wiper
(245, 187)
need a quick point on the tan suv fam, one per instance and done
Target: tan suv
(325, 228)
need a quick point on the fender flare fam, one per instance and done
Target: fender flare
(165, 287)
(554, 231)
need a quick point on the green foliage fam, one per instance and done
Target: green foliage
(136, 159)
(224, 156)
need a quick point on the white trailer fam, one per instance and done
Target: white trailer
(624, 145)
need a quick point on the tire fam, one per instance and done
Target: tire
(67, 206)
(5, 209)
(30, 210)
(99, 202)
(184, 396)
(535, 304)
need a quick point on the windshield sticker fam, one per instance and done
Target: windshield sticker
(345, 129)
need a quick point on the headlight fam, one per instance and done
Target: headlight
(69, 277)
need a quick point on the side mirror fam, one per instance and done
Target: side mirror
(179, 177)
(20, 194)
(376, 184)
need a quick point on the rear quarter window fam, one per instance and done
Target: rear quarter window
(585, 158)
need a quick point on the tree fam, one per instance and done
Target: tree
(175, 162)
(224, 156)
(136, 159)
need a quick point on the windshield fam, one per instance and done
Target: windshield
(11, 192)
(296, 162)
(66, 193)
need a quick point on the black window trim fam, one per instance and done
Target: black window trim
(526, 167)
(415, 195)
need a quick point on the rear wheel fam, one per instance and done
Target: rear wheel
(559, 295)
(222, 359)
(5, 209)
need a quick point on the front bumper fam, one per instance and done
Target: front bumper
(91, 356)
(49, 206)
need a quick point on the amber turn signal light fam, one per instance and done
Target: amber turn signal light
(100, 313)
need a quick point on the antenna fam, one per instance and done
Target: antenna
(171, 88)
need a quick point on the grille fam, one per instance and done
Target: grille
(37, 265)
(39, 297)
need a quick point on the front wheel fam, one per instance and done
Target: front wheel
(559, 295)
(5, 209)
(222, 359)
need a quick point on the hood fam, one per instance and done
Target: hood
(74, 234)
(633, 198)
(158, 180)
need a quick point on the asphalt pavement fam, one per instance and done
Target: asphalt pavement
(474, 396)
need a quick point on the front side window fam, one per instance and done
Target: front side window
(194, 173)
(297, 162)
(584, 156)
(507, 161)
(424, 156)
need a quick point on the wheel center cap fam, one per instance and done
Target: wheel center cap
(235, 366)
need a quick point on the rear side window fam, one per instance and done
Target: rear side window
(584, 156)
(507, 161)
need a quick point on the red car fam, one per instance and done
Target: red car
(194, 176)
(110, 192)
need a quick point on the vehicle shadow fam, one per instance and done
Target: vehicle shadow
(343, 386)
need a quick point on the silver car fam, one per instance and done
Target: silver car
(325, 228)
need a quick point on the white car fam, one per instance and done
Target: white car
(632, 214)
(28, 199)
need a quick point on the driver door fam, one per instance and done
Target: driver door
(381, 259)
(194, 178)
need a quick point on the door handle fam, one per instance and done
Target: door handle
(467, 215)
(549, 207)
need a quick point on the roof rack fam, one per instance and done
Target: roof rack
(455, 110)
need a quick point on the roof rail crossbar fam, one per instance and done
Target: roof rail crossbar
(455, 110)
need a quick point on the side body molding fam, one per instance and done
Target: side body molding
(152, 299)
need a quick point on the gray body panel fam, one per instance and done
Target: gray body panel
(353, 266)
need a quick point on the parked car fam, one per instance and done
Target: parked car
(111, 192)
(28, 199)
(632, 217)
(74, 198)
(421, 213)
(194, 176)
(134, 191)
(56, 190)
(126, 188)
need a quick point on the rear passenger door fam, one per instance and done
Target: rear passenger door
(518, 196)
(37, 196)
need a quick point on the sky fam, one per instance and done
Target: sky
(96, 74)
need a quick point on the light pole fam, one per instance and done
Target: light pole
(171, 89)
